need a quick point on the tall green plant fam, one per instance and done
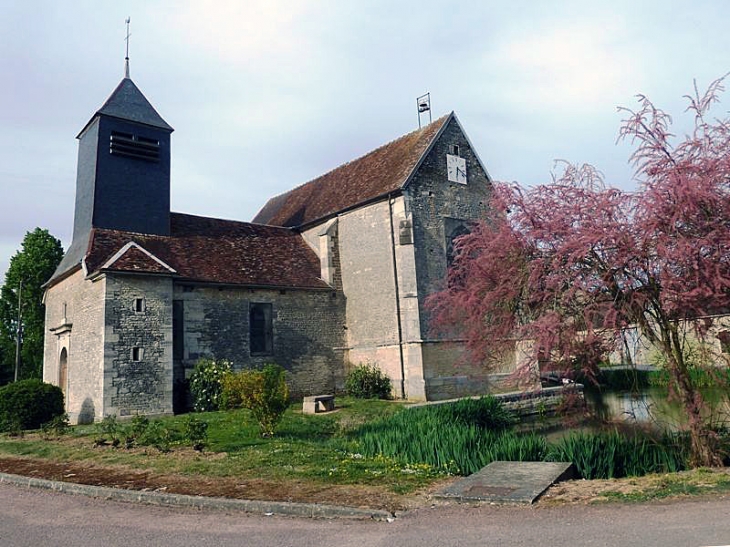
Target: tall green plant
(613, 455)
(206, 383)
(264, 392)
(459, 437)
(367, 381)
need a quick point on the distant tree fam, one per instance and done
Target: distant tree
(569, 264)
(33, 265)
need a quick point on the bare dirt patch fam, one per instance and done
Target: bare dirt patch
(668, 486)
(222, 487)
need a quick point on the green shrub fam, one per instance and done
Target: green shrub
(159, 436)
(28, 404)
(368, 382)
(206, 384)
(196, 433)
(264, 392)
(109, 430)
(57, 427)
(235, 385)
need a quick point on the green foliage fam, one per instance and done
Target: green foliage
(696, 354)
(160, 434)
(57, 427)
(27, 404)
(34, 264)
(459, 437)
(264, 392)
(701, 378)
(109, 430)
(613, 455)
(367, 381)
(206, 384)
(196, 432)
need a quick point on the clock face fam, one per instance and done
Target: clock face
(456, 169)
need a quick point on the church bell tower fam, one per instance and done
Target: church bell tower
(123, 174)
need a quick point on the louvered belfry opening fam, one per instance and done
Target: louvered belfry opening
(134, 146)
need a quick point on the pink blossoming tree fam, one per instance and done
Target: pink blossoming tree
(568, 265)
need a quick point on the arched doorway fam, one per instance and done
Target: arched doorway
(63, 371)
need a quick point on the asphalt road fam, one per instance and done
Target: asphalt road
(41, 518)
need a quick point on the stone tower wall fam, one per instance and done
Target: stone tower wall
(74, 321)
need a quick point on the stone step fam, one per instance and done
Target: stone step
(508, 482)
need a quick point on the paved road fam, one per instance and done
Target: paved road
(40, 518)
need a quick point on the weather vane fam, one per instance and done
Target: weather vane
(126, 57)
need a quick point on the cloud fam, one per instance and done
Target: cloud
(578, 66)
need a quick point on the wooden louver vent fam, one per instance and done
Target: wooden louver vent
(134, 146)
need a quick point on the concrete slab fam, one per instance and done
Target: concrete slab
(508, 482)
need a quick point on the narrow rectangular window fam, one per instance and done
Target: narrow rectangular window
(137, 354)
(454, 149)
(178, 329)
(260, 326)
(139, 306)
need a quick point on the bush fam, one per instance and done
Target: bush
(206, 384)
(264, 392)
(196, 433)
(368, 382)
(28, 404)
(57, 427)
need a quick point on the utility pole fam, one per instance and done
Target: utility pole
(19, 332)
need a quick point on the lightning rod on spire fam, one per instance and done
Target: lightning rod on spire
(126, 57)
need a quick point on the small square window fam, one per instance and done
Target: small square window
(137, 354)
(454, 149)
(139, 305)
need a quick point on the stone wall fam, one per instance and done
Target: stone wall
(637, 350)
(308, 333)
(74, 321)
(440, 207)
(138, 346)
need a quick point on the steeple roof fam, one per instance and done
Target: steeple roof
(128, 103)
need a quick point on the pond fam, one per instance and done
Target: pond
(650, 407)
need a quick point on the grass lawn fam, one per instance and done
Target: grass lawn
(315, 458)
(308, 449)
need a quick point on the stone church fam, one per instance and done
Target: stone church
(330, 274)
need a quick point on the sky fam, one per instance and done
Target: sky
(266, 95)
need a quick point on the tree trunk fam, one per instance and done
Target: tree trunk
(704, 449)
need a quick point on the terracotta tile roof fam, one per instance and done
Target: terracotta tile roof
(383, 170)
(211, 250)
(133, 258)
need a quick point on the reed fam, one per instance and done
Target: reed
(614, 455)
(459, 437)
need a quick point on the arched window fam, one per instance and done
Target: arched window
(63, 371)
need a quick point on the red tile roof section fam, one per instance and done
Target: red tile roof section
(134, 259)
(211, 250)
(383, 170)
